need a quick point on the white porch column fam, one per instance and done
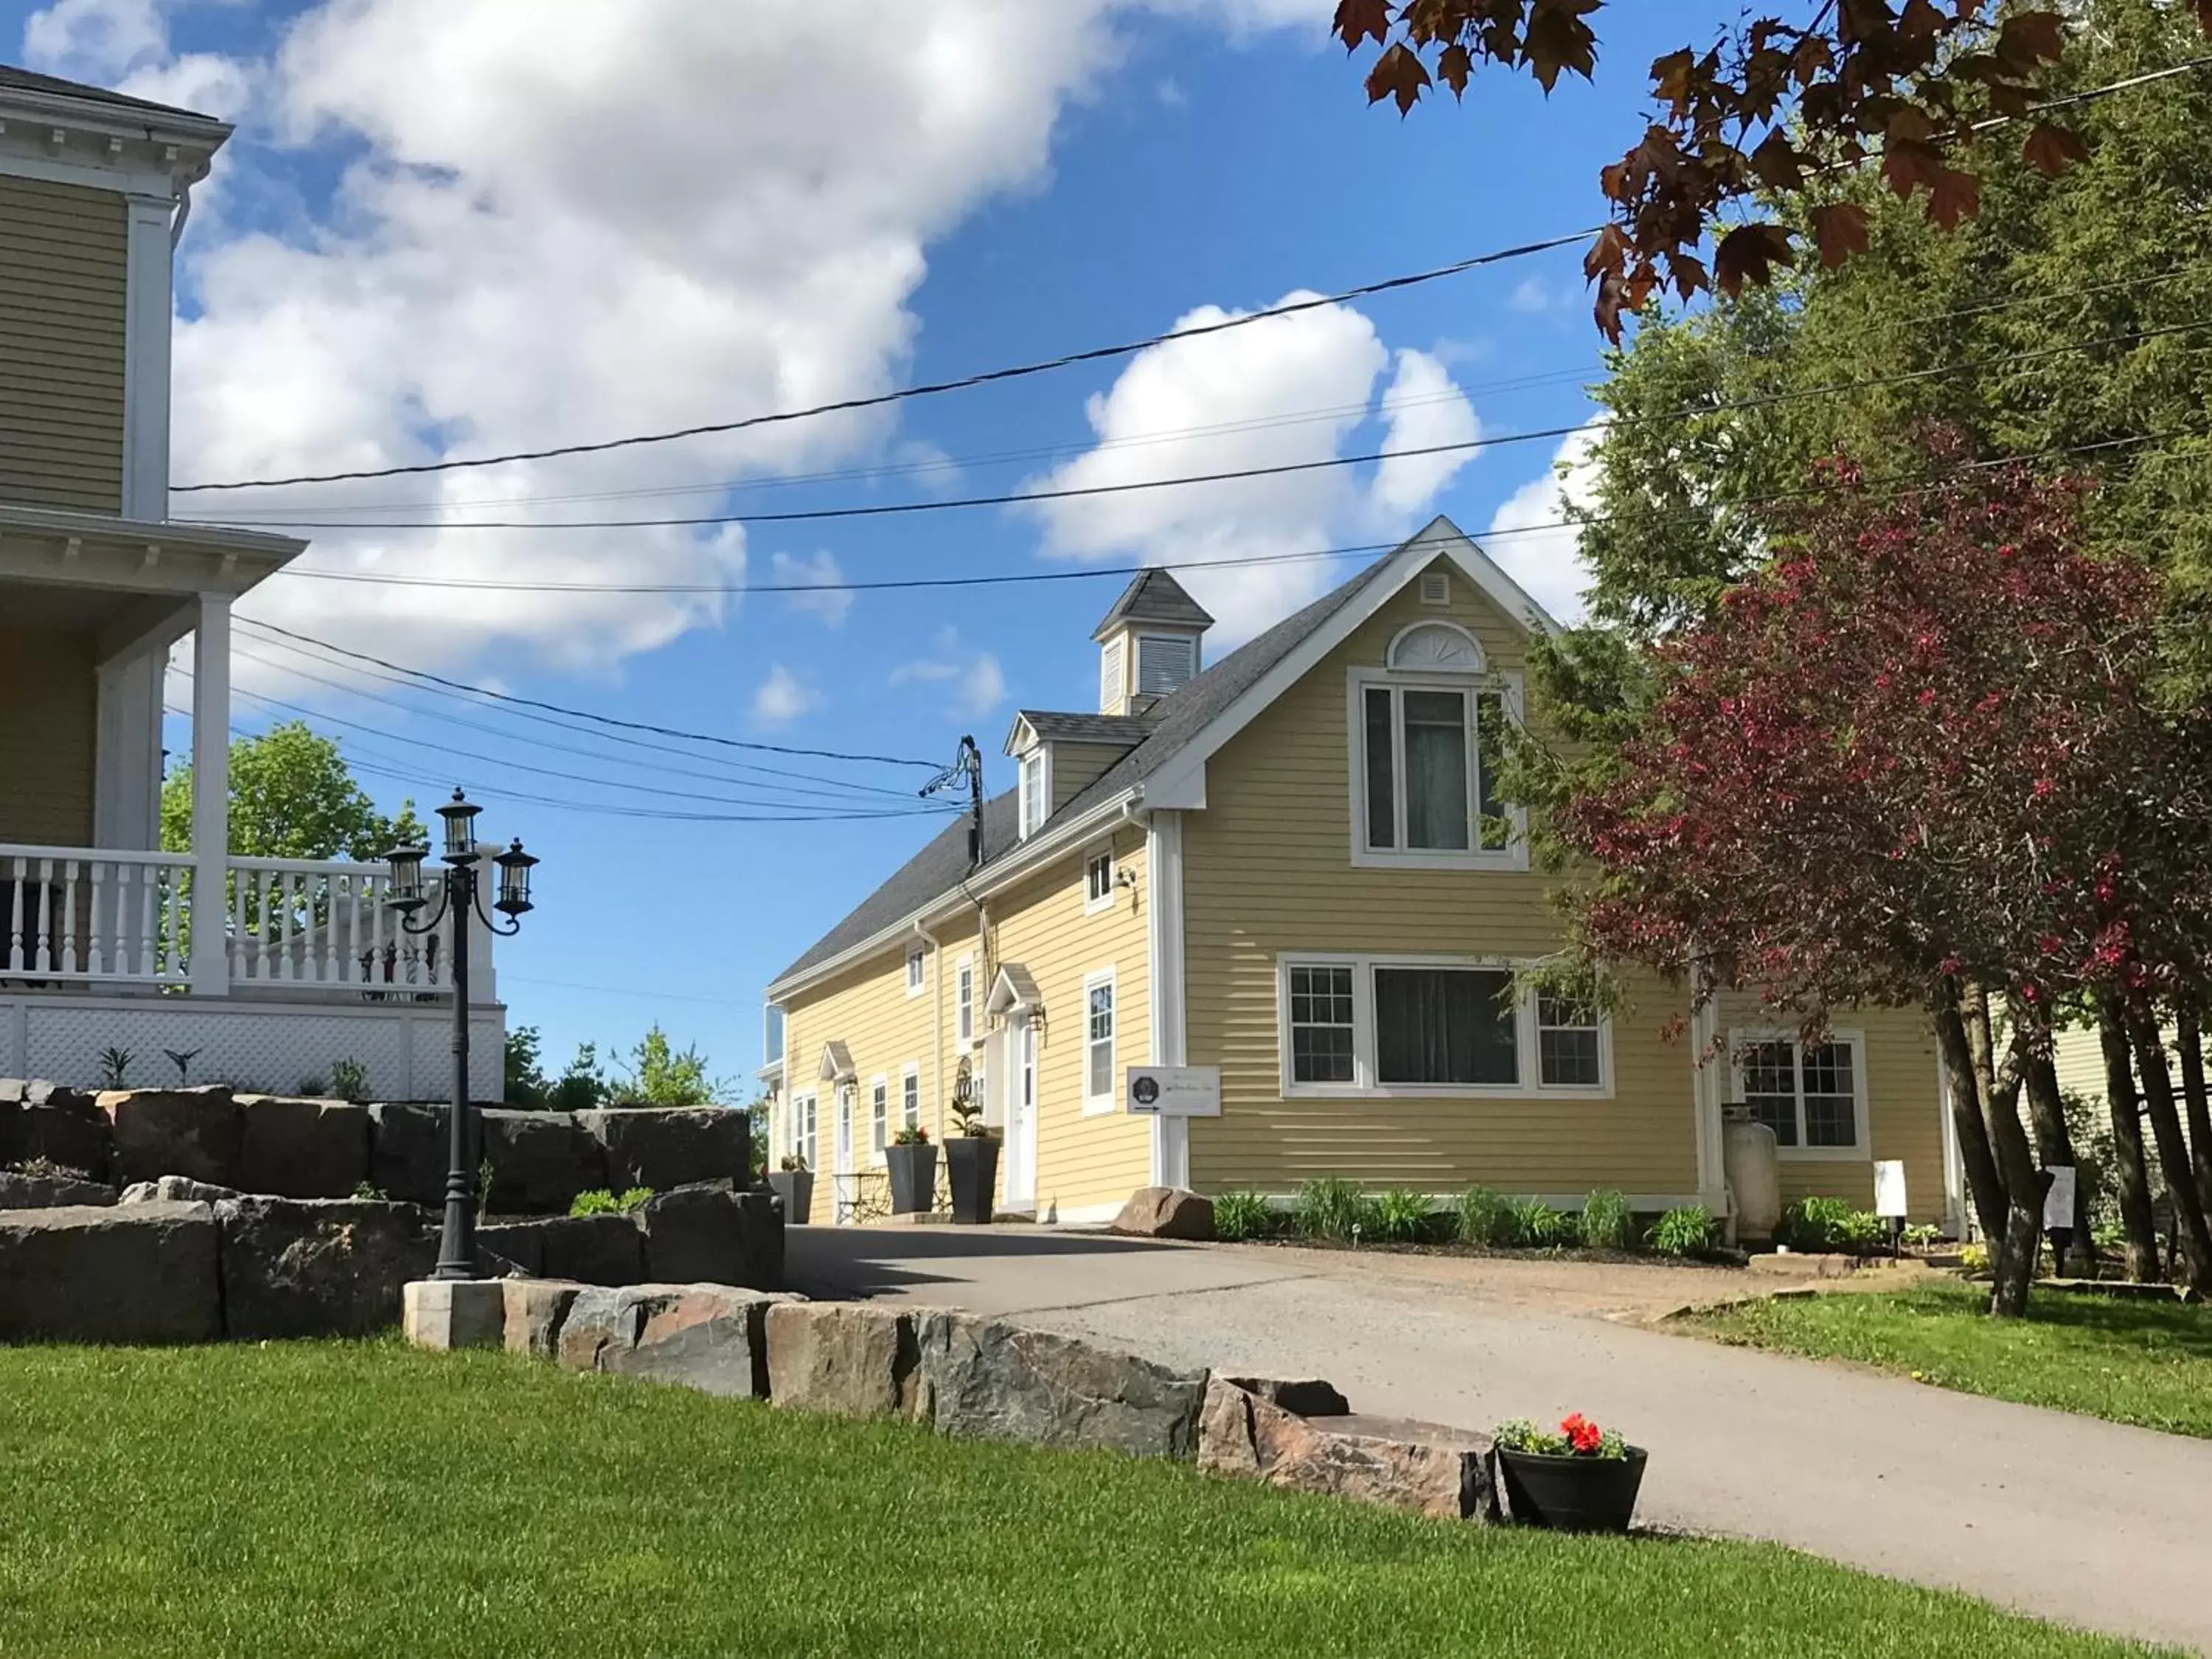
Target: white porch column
(146, 359)
(126, 813)
(211, 795)
(1165, 966)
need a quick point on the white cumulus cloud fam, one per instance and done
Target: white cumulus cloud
(818, 569)
(1529, 536)
(976, 683)
(782, 698)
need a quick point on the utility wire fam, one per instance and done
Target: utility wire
(987, 377)
(1280, 470)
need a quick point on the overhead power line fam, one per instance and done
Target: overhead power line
(845, 405)
(1282, 469)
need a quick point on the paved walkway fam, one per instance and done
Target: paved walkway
(2063, 1516)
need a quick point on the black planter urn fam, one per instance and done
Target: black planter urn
(796, 1189)
(971, 1169)
(914, 1177)
(1571, 1494)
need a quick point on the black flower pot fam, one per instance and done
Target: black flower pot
(971, 1169)
(796, 1189)
(1572, 1494)
(914, 1177)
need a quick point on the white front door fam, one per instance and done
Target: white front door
(1021, 1087)
(841, 1177)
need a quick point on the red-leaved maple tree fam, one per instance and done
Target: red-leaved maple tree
(1924, 754)
(1773, 104)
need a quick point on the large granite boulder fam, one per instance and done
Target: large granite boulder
(709, 1235)
(1423, 1468)
(662, 1147)
(1166, 1213)
(981, 1379)
(845, 1358)
(708, 1337)
(408, 1152)
(536, 1309)
(52, 1125)
(590, 1250)
(147, 1274)
(320, 1266)
(47, 1191)
(539, 1162)
(303, 1148)
(195, 1132)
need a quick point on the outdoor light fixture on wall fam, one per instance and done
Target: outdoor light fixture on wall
(461, 895)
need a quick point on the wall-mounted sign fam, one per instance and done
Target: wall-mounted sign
(1173, 1091)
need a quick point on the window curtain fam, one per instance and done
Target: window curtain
(1444, 1025)
(1381, 792)
(1436, 770)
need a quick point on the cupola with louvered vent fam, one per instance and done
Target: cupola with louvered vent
(1151, 642)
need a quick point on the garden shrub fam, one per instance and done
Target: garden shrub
(1687, 1230)
(1240, 1214)
(1539, 1226)
(1486, 1219)
(603, 1202)
(1331, 1208)
(1401, 1216)
(1829, 1223)
(1605, 1221)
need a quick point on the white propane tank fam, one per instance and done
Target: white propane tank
(1753, 1172)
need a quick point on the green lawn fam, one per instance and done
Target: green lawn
(369, 1499)
(2146, 1363)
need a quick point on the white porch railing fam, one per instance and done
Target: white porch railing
(77, 916)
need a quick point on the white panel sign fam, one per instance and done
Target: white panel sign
(1889, 1188)
(2058, 1199)
(1174, 1091)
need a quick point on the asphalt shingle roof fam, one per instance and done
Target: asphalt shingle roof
(22, 80)
(1127, 730)
(941, 866)
(1154, 596)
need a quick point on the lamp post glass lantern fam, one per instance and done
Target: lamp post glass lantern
(459, 895)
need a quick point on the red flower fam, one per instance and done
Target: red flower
(1583, 1437)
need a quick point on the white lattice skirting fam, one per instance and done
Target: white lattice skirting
(273, 1048)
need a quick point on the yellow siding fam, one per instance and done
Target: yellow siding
(2079, 1059)
(61, 305)
(1268, 871)
(1077, 766)
(1084, 1162)
(49, 692)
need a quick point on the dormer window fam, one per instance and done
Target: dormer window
(1149, 642)
(1164, 661)
(1036, 791)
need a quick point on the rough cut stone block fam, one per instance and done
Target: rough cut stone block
(590, 1250)
(708, 1337)
(1419, 1466)
(982, 1379)
(185, 1131)
(147, 1274)
(303, 1148)
(665, 1147)
(64, 1127)
(600, 1321)
(175, 1189)
(844, 1359)
(539, 1161)
(298, 1266)
(407, 1152)
(454, 1313)
(1166, 1213)
(534, 1311)
(695, 1236)
(760, 1225)
(1306, 1396)
(30, 1192)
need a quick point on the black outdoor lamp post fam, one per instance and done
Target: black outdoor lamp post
(459, 895)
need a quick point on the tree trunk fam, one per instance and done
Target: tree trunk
(2190, 1040)
(2172, 1149)
(2054, 1142)
(2137, 1225)
(2014, 1270)
(1984, 1186)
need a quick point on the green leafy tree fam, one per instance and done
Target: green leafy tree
(527, 1085)
(291, 797)
(660, 1074)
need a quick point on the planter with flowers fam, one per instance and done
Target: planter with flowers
(912, 1160)
(794, 1184)
(971, 1155)
(1579, 1478)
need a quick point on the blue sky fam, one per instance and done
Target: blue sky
(437, 235)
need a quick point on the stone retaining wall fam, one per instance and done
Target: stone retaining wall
(299, 1148)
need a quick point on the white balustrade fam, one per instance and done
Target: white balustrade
(309, 921)
(69, 913)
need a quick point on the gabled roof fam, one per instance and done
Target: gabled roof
(1126, 730)
(1189, 720)
(52, 86)
(1154, 597)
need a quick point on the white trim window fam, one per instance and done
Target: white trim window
(1426, 755)
(1035, 798)
(1098, 881)
(1451, 1026)
(1813, 1095)
(803, 1126)
(964, 1001)
(910, 1096)
(879, 1132)
(917, 966)
(1099, 1015)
